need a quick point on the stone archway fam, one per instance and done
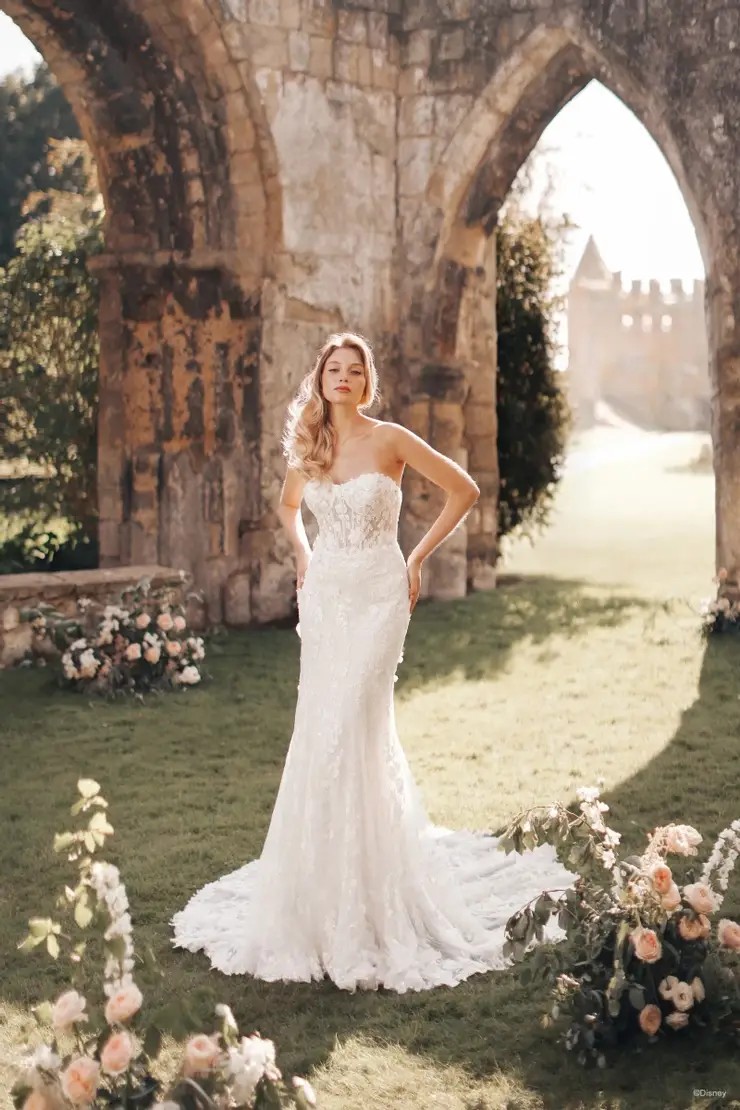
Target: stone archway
(192, 212)
(453, 396)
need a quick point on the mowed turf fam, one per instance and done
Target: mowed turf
(586, 662)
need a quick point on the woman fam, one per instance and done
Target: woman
(354, 882)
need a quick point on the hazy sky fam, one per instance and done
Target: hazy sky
(610, 177)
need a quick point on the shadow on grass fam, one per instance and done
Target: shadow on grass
(192, 781)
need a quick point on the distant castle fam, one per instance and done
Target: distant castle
(644, 352)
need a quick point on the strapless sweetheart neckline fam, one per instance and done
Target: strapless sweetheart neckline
(357, 478)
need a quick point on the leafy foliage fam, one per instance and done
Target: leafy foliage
(533, 415)
(31, 113)
(49, 357)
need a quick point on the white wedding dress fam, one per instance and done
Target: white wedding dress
(354, 882)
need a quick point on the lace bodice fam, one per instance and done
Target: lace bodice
(357, 514)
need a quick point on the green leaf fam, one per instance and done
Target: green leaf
(40, 926)
(88, 788)
(153, 1042)
(83, 913)
(52, 945)
(99, 823)
(62, 841)
(637, 997)
(29, 943)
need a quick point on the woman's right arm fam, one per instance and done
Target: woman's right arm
(289, 512)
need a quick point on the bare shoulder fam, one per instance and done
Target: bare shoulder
(394, 437)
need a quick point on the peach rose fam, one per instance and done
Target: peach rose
(179, 623)
(698, 990)
(80, 1080)
(37, 1100)
(646, 944)
(661, 878)
(694, 928)
(152, 654)
(728, 933)
(123, 1004)
(143, 620)
(174, 647)
(117, 1053)
(677, 1020)
(650, 1019)
(68, 1009)
(133, 652)
(671, 900)
(165, 622)
(701, 898)
(682, 839)
(683, 996)
(201, 1053)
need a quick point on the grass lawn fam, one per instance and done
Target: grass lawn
(586, 662)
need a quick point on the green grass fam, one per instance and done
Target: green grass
(583, 666)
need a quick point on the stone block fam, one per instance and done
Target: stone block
(290, 14)
(418, 48)
(319, 18)
(377, 30)
(299, 50)
(416, 116)
(346, 62)
(321, 58)
(352, 26)
(265, 12)
(451, 45)
(238, 599)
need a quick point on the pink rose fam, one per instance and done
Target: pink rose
(68, 1009)
(152, 654)
(80, 1080)
(123, 1004)
(677, 1020)
(646, 944)
(201, 1054)
(682, 839)
(179, 623)
(143, 620)
(650, 1019)
(694, 928)
(174, 647)
(117, 1053)
(728, 933)
(661, 878)
(37, 1101)
(672, 899)
(165, 622)
(701, 898)
(133, 652)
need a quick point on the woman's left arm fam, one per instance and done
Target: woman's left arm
(462, 493)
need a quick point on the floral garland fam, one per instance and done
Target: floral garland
(639, 953)
(101, 1056)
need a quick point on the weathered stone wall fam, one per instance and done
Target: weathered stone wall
(276, 169)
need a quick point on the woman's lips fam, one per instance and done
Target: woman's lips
(343, 389)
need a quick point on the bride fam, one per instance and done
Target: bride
(354, 881)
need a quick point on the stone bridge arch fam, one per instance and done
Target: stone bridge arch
(451, 395)
(188, 174)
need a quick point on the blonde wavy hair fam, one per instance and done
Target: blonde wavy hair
(309, 436)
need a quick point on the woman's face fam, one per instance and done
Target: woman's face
(343, 377)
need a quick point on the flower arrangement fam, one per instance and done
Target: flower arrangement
(99, 1053)
(719, 614)
(139, 645)
(641, 955)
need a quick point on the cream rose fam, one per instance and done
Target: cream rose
(728, 933)
(650, 1019)
(698, 990)
(68, 1009)
(143, 620)
(701, 898)
(661, 878)
(667, 987)
(683, 996)
(682, 839)
(646, 944)
(672, 899)
(694, 928)
(677, 1020)
(80, 1080)
(179, 623)
(201, 1053)
(117, 1053)
(123, 1004)
(165, 622)
(132, 652)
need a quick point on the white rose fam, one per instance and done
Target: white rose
(68, 1009)
(189, 676)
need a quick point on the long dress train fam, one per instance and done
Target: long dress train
(354, 881)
